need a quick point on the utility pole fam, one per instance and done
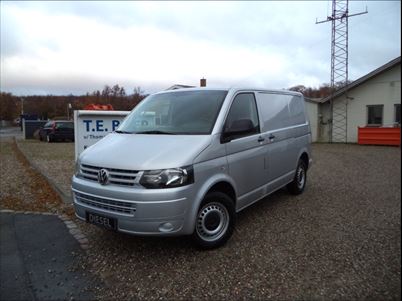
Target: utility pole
(22, 105)
(339, 67)
(68, 110)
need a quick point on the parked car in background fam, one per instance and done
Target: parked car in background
(57, 130)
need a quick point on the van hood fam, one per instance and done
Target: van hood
(145, 151)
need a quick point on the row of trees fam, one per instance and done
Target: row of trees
(51, 106)
(322, 91)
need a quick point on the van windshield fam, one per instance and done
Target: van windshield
(181, 112)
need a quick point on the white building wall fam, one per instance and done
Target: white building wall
(383, 89)
(324, 122)
(312, 112)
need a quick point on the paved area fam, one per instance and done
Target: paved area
(37, 254)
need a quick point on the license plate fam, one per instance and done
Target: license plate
(102, 221)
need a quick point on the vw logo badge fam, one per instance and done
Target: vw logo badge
(103, 176)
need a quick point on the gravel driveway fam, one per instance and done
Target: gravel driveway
(55, 160)
(338, 240)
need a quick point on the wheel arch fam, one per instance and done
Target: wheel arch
(226, 188)
(305, 156)
(220, 182)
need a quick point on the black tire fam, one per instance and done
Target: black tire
(215, 221)
(49, 139)
(299, 181)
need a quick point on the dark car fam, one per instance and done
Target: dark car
(57, 130)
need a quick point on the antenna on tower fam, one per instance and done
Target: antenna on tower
(339, 67)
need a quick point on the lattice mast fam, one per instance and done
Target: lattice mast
(339, 67)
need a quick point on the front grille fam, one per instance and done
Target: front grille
(105, 204)
(116, 176)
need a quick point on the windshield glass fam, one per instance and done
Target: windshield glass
(184, 112)
(68, 125)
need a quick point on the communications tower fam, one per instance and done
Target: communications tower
(339, 67)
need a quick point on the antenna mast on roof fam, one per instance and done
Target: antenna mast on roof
(339, 67)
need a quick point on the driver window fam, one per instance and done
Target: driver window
(243, 107)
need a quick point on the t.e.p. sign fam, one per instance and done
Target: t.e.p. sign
(91, 126)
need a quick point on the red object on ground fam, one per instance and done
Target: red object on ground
(93, 106)
(379, 136)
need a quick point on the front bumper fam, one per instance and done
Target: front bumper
(137, 210)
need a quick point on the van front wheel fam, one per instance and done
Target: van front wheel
(215, 221)
(300, 179)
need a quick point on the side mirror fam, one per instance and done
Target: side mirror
(238, 128)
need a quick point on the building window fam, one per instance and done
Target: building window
(397, 118)
(374, 115)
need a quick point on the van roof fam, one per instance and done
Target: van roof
(233, 89)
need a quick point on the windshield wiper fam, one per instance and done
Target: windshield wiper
(123, 132)
(156, 132)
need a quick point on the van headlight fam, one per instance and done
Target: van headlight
(167, 178)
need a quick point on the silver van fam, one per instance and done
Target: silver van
(184, 162)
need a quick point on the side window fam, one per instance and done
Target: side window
(374, 115)
(243, 109)
(296, 110)
(397, 118)
(274, 110)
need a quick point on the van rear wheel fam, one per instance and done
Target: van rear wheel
(300, 179)
(215, 221)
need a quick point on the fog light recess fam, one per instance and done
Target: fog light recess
(165, 227)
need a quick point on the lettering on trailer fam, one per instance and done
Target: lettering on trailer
(98, 125)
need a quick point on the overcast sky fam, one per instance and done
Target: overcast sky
(75, 47)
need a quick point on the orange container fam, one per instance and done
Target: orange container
(97, 107)
(379, 136)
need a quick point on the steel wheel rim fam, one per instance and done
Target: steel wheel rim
(301, 177)
(210, 231)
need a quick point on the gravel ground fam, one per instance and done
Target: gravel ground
(340, 239)
(22, 188)
(18, 188)
(55, 160)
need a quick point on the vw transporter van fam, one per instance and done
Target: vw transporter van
(184, 162)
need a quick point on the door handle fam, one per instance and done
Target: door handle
(271, 137)
(261, 139)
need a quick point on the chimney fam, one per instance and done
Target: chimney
(203, 82)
